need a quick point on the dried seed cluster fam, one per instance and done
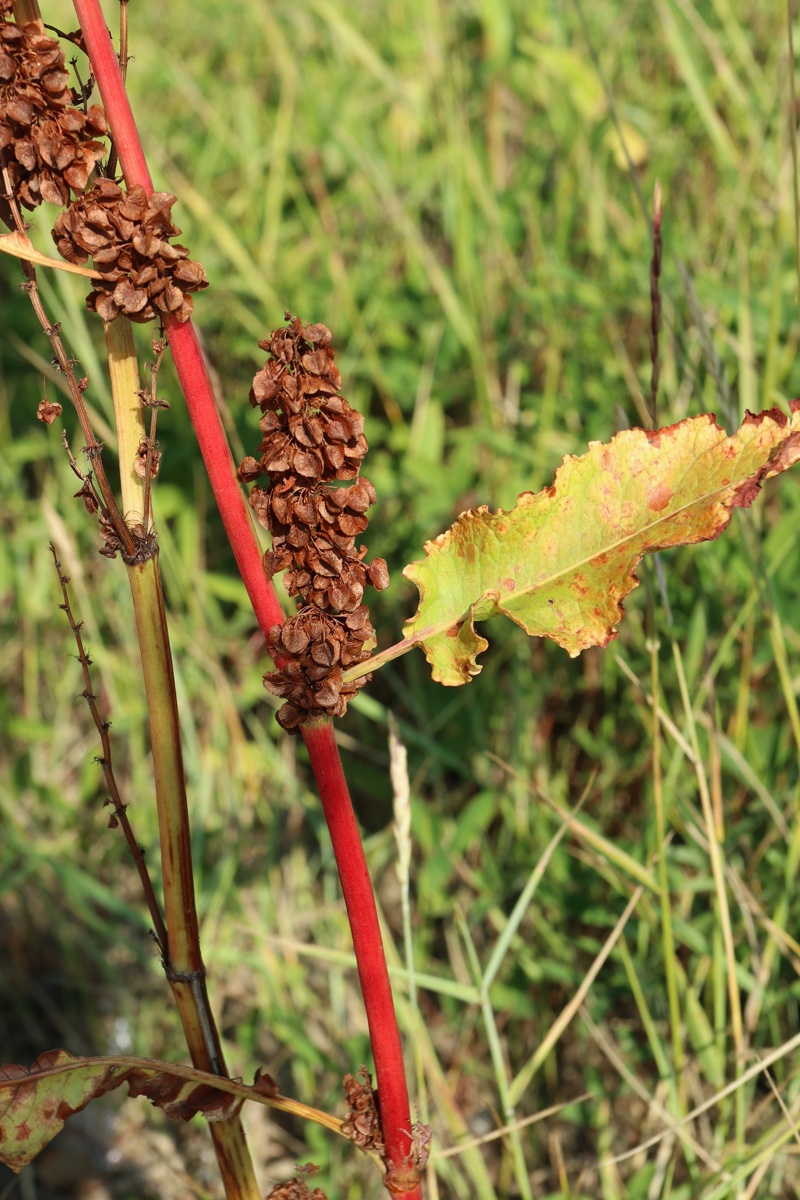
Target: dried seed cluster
(47, 145)
(362, 1123)
(295, 1189)
(48, 411)
(144, 276)
(312, 438)
(49, 149)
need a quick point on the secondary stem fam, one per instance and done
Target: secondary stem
(180, 946)
(183, 964)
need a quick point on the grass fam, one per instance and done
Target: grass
(444, 185)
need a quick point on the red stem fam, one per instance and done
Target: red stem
(370, 959)
(186, 353)
(200, 401)
(402, 1173)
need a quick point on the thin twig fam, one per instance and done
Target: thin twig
(119, 815)
(88, 492)
(655, 304)
(123, 39)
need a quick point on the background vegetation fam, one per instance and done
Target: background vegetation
(444, 184)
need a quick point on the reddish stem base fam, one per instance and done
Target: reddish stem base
(402, 1171)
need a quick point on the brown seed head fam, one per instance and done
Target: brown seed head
(48, 411)
(295, 1189)
(312, 439)
(126, 235)
(48, 145)
(362, 1123)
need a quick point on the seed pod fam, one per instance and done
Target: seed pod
(144, 275)
(49, 146)
(312, 440)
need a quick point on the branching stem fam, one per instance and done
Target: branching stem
(403, 1172)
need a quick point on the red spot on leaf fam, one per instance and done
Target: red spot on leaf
(508, 584)
(659, 497)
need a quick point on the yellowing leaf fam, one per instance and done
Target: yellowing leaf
(35, 1104)
(561, 562)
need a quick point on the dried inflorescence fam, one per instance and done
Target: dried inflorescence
(144, 276)
(48, 411)
(362, 1123)
(313, 438)
(295, 1189)
(49, 149)
(47, 145)
(320, 646)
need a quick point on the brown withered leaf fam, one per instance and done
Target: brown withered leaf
(35, 1102)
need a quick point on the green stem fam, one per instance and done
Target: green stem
(125, 386)
(183, 963)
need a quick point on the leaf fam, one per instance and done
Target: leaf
(561, 562)
(35, 1103)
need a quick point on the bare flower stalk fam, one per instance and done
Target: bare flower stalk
(119, 814)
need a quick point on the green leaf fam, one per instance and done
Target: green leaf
(561, 562)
